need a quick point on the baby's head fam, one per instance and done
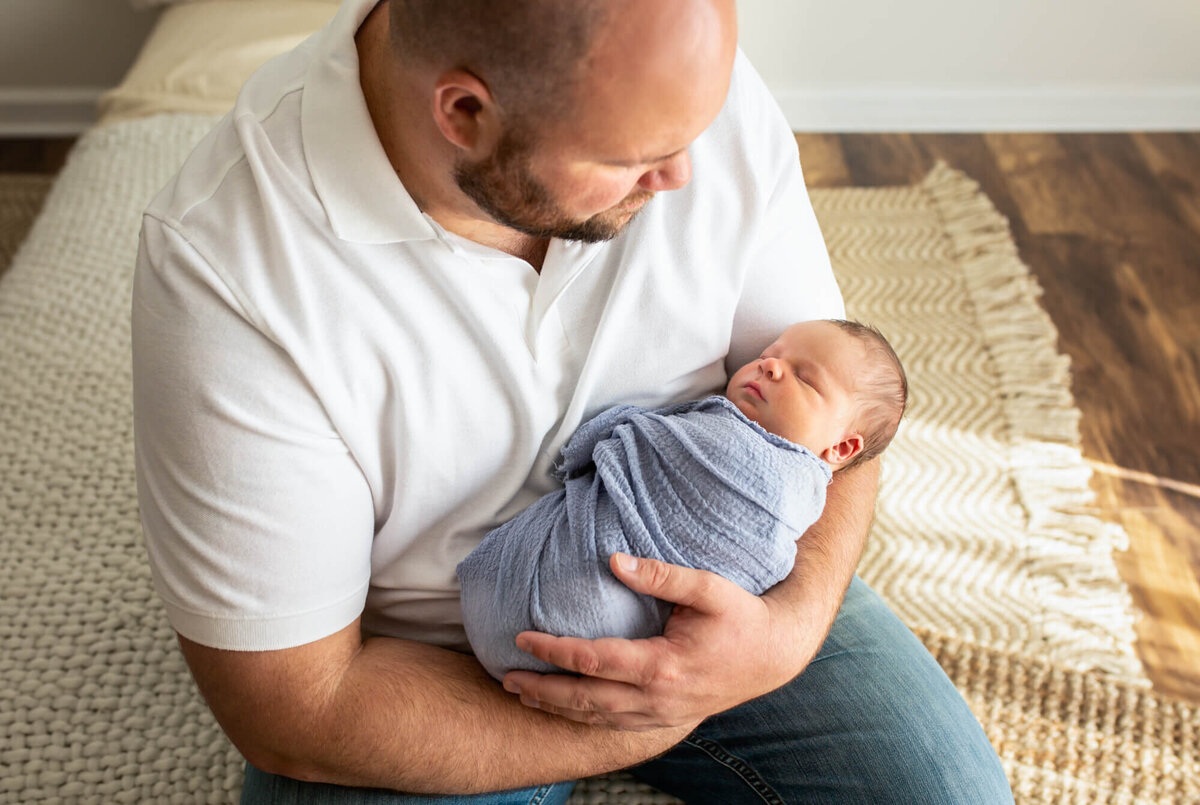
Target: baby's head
(835, 387)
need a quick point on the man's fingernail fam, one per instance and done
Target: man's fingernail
(512, 687)
(627, 562)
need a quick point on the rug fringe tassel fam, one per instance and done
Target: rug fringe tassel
(1069, 549)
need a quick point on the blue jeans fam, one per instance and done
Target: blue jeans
(873, 719)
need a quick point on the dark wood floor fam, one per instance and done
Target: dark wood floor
(27, 155)
(1110, 225)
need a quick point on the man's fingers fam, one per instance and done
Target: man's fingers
(589, 701)
(621, 679)
(697, 589)
(629, 722)
(634, 662)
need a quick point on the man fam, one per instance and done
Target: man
(421, 250)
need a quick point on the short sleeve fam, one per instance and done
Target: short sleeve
(789, 276)
(257, 520)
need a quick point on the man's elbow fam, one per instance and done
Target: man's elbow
(276, 748)
(283, 764)
(275, 706)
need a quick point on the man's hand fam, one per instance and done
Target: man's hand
(721, 646)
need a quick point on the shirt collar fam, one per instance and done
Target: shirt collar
(362, 196)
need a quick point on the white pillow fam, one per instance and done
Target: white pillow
(142, 5)
(199, 54)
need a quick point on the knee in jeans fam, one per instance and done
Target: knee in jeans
(943, 772)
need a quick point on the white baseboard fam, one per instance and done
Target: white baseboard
(65, 111)
(47, 111)
(979, 110)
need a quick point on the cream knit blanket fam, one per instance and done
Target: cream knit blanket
(981, 535)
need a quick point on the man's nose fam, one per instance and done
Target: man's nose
(670, 174)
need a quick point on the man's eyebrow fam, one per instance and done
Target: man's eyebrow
(647, 161)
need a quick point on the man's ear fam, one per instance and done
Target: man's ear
(844, 450)
(465, 112)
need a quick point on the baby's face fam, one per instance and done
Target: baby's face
(801, 388)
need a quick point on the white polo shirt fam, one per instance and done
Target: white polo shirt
(335, 398)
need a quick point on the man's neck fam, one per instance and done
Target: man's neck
(421, 157)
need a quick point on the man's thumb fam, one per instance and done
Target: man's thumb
(626, 562)
(674, 583)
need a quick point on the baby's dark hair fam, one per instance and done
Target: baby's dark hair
(882, 389)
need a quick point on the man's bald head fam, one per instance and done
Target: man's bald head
(531, 53)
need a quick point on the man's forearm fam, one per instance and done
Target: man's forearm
(826, 557)
(407, 716)
(417, 718)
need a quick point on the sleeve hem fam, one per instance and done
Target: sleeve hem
(266, 634)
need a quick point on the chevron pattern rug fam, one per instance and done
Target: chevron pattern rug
(983, 531)
(983, 542)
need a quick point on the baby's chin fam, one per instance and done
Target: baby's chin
(743, 406)
(754, 415)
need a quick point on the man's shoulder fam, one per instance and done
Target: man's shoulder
(739, 160)
(264, 122)
(239, 155)
(748, 91)
(750, 126)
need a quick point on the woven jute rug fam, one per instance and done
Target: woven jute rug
(983, 541)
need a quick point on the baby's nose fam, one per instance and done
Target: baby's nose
(771, 368)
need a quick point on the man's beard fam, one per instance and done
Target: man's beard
(503, 187)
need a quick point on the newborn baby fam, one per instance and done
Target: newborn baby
(726, 484)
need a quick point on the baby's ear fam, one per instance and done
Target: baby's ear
(844, 450)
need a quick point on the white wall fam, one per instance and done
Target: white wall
(834, 65)
(57, 56)
(978, 65)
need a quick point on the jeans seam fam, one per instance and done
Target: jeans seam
(540, 795)
(739, 767)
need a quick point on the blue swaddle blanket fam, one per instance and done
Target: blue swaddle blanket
(696, 484)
